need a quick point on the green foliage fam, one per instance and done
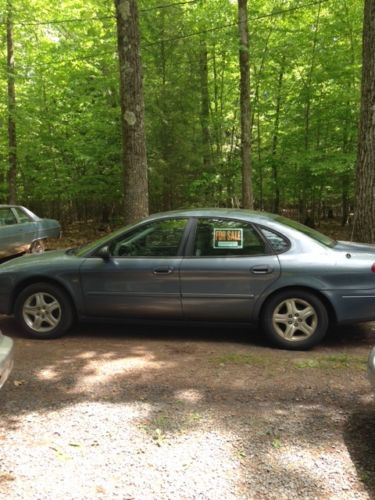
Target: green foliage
(68, 128)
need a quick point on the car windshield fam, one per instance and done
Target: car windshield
(84, 249)
(312, 233)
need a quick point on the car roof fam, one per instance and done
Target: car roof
(235, 213)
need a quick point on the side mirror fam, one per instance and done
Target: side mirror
(104, 253)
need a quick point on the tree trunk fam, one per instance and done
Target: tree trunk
(134, 156)
(247, 192)
(275, 139)
(12, 138)
(307, 111)
(205, 106)
(256, 109)
(306, 183)
(364, 228)
(164, 139)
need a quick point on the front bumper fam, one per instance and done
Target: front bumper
(6, 358)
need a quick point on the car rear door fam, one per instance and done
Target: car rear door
(229, 266)
(141, 279)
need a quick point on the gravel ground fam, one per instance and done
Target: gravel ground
(177, 413)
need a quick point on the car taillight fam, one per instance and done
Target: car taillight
(373, 268)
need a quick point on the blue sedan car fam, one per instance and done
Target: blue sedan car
(221, 266)
(23, 231)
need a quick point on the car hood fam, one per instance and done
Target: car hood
(348, 246)
(34, 259)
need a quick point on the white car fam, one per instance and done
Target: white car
(6, 358)
(371, 368)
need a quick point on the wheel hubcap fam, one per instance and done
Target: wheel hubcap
(295, 319)
(41, 312)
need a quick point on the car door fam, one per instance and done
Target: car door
(229, 266)
(27, 227)
(141, 278)
(11, 236)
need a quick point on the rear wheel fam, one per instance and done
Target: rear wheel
(44, 311)
(295, 319)
(37, 246)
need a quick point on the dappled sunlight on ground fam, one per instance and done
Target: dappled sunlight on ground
(189, 395)
(101, 372)
(178, 412)
(97, 447)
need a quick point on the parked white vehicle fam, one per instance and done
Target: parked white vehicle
(6, 358)
(371, 368)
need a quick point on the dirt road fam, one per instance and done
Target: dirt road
(141, 412)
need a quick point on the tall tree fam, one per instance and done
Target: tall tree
(205, 105)
(364, 228)
(247, 192)
(275, 138)
(134, 155)
(12, 138)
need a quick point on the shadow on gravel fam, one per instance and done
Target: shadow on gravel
(360, 440)
(347, 336)
(217, 360)
(227, 378)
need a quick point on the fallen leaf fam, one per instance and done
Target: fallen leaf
(17, 383)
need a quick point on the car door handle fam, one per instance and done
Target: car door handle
(163, 270)
(262, 269)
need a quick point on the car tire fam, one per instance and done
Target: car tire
(37, 246)
(295, 319)
(44, 311)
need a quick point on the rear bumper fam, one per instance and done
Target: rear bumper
(6, 358)
(352, 306)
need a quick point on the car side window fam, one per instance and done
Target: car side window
(220, 237)
(7, 217)
(156, 239)
(22, 217)
(278, 243)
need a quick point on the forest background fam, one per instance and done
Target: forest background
(305, 63)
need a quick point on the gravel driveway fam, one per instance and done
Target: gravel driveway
(176, 413)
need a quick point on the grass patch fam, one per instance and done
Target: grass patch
(335, 362)
(320, 362)
(239, 359)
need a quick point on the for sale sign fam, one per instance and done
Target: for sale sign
(228, 238)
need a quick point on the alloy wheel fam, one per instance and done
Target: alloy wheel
(294, 319)
(41, 312)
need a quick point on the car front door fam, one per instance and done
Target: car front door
(229, 266)
(140, 280)
(12, 239)
(26, 227)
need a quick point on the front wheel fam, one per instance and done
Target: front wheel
(44, 311)
(295, 319)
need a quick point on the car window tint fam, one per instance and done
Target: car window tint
(278, 243)
(219, 237)
(156, 239)
(22, 217)
(7, 217)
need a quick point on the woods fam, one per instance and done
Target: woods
(71, 148)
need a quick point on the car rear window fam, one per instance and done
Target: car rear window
(278, 243)
(308, 231)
